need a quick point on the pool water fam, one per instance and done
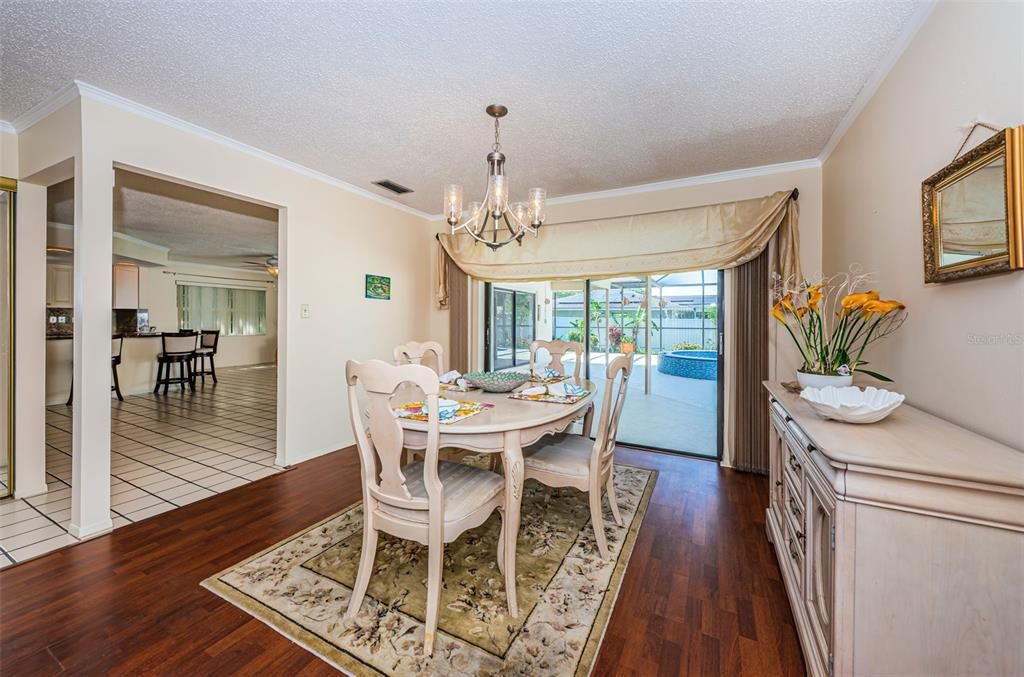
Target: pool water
(701, 364)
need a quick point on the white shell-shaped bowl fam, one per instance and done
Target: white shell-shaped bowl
(851, 404)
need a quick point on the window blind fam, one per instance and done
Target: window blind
(235, 312)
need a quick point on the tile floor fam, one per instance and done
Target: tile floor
(166, 451)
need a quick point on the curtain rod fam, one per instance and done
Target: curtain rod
(218, 277)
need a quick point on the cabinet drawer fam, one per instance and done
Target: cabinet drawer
(793, 555)
(793, 461)
(793, 507)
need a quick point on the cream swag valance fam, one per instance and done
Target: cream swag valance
(698, 238)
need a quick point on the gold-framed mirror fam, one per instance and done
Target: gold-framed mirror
(972, 211)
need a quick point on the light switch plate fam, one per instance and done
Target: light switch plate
(304, 311)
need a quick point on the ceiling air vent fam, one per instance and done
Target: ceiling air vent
(396, 188)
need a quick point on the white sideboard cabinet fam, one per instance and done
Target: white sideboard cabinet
(901, 543)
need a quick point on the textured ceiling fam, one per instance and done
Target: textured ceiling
(600, 95)
(195, 225)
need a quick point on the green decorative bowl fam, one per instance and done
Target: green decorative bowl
(497, 381)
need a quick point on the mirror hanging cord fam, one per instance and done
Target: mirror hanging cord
(970, 133)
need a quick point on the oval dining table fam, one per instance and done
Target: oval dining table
(505, 429)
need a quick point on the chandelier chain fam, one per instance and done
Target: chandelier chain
(497, 136)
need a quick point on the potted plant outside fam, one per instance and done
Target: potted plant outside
(627, 346)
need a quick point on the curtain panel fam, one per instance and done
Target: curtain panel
(697, 238)
(453, 295)
(746, 415)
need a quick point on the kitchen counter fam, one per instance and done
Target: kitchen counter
(136, 373)
(127, 336)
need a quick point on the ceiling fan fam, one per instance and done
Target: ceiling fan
(269, 264)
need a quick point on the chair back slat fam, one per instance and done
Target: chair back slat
(116, 343)
(428, 353)
(180, 343)
(558, 350)
(611, 408)
(381, 441)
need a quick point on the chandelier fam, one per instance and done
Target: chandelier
(508, 222)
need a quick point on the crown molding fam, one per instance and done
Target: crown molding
(77, 88)
(139, 241)
(7, 128)
(903, 40)
(703, 179)
(46, 107)
(95, 93)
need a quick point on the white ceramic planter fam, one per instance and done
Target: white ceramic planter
(822, 380)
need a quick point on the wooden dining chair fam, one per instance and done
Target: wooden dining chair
(430, 501)
(576, 461)
(558, 350)
(428, 353)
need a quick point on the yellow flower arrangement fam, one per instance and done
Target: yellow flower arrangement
(832, 324)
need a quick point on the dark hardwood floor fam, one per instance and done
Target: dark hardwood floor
(702, 594)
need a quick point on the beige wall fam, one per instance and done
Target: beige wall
(8, 155)
(329, 239)
(961, 353)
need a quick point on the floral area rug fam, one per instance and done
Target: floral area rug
(301, 587)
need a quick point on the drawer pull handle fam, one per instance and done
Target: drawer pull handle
(794, 464)
(793, 553)
(778, 483)
(797, 512)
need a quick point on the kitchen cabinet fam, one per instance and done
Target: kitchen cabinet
(60, 286)
(126, 287)
(899, 542)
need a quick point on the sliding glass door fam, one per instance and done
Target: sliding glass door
(670, 325)
(511, 326)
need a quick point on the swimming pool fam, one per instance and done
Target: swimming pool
(702, 364)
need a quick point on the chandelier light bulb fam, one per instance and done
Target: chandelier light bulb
(522, 212)
(499, 194)
(453, 203)
(538, 198)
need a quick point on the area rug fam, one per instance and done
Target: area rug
(301, 588)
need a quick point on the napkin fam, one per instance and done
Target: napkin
(567, 389)
(450, 377)
(545, 372)
(538, 390)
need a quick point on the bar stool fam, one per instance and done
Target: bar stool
(116, 343)
(208, 339)
(177, 348)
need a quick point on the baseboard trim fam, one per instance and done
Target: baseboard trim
(92, 530)
(19, 492)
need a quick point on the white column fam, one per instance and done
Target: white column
(90, 493)
(283, 325)
(30, 341)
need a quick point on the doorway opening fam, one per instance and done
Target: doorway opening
(194, 278)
